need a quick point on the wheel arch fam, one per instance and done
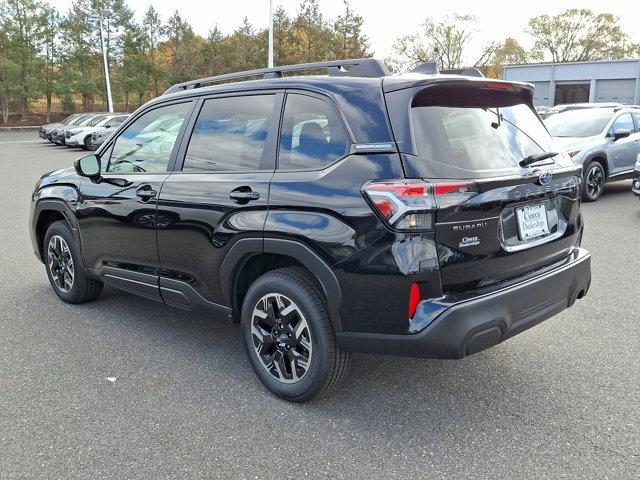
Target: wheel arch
(249, 258)
(46, 212)
(600, 157)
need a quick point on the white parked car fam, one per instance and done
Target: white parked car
(81, 136)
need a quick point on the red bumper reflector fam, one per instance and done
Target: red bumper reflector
(414, 299)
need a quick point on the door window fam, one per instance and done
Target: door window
(624, 121)
(312, 135)
(636, 119)
(230, 135)
(146, 144)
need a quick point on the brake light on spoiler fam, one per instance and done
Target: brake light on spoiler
(498, 85)
(410, 204)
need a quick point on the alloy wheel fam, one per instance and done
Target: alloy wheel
(595, 181)
(60, 263)
(281, 338)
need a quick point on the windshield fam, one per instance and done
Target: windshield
(467, 142)
(578, 123)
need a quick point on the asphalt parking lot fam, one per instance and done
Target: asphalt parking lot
(559, 401)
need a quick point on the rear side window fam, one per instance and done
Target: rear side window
(312, 135)
(464, 133)
(230, 134)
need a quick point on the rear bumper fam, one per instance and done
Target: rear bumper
(481, 322)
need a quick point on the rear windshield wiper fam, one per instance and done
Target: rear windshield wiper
(536, 157)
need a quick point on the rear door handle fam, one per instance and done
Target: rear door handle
(243, 195)
(146, 193)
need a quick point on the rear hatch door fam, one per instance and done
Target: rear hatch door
(495, 219)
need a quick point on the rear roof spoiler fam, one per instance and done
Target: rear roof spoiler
(431, 68)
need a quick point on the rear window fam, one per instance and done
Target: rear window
(466, 134)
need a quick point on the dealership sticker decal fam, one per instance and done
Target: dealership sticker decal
(469, 242)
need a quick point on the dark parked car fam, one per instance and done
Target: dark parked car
(44, 131)
(422, 215)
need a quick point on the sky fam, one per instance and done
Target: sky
(385, 21)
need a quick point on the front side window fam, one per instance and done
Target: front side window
(146, 144)
(623, 122)
(312, 135)
(230, 134)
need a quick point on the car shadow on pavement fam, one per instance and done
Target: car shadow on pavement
(412, 393)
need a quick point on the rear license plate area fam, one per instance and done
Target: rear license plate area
(532, 221)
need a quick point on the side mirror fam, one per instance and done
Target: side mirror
(88, 166)
(621, 133)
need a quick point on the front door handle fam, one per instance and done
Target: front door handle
(146, 193)
(243, 195)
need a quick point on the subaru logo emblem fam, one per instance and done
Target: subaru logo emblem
(544, 178)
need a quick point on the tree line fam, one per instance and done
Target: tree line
(48, 56)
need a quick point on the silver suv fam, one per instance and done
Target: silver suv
(605, 141)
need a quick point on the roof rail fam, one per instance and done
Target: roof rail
(360, 67)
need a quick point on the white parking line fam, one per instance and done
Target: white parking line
(21, 141)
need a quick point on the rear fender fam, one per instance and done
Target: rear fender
(304, 255)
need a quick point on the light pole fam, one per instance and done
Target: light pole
(107, 81)
(270, 33)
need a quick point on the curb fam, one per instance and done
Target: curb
(17, 129)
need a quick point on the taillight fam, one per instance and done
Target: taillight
(410, 205)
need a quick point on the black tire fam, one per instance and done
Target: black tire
(594, 180)
(81, 288)
(87, 142)
(327, 363)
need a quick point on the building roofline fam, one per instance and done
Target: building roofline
(544, 64)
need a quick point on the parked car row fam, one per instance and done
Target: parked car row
(85, 130)
(603, 138)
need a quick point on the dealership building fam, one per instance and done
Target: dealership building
(577, 82)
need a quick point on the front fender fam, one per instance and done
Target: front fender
(61, 199)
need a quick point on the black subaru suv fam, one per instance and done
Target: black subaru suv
(424, 214)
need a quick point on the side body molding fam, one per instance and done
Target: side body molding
(245, 248)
